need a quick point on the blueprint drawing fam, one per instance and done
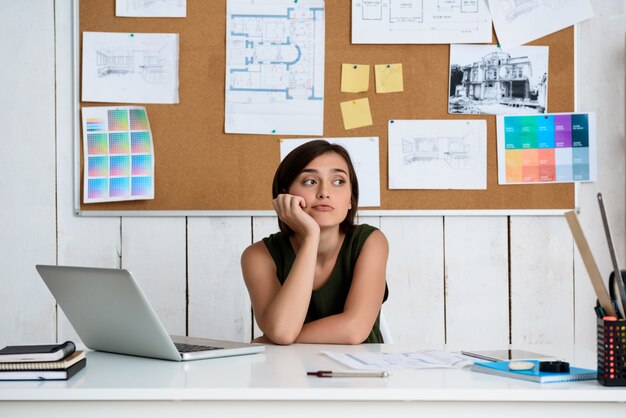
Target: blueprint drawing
(437, 154)
(275, 67)
(420, 21)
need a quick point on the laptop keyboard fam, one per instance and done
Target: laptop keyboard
(190, 348)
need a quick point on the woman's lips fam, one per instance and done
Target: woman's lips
(323, 208)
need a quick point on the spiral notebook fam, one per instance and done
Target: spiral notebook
(501, 368)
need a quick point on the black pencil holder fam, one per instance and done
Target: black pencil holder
(612, 352)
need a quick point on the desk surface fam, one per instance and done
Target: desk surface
(280, 374)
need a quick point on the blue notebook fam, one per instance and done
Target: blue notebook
(501, 368)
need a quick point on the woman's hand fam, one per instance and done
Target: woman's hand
(290, 210)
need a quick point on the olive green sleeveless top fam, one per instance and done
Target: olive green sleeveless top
(330, 298)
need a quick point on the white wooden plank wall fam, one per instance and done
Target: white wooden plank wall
(476, 276)
(27, 169)
(458, 280)
(219, 306)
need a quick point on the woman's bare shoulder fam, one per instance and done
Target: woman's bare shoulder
(255, 251)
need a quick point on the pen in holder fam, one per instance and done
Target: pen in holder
(612, 340)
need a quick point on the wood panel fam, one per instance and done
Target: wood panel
(477, 284)
(27, 173)
(542, 288)
(219, 306)
(415, 307)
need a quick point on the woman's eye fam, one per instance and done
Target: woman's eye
(308, 182)
(338, 182)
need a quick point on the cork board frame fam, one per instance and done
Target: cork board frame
(230, 173)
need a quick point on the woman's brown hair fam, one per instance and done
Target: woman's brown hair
(297, 160)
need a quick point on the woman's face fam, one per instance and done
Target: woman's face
(325, 186)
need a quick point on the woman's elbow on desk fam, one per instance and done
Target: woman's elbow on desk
(280, 337)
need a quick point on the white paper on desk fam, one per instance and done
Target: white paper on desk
(437, 154)
(517, 23)
(429, 359)
(130, 67)
(151, 8)
(420, 22)
(365, 158)
(275, 67)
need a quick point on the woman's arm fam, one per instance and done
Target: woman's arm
(365, 298)
(280, 311)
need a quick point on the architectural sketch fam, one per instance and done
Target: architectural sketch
(455, 151)
(517, 22)
(275, 59)
(498, 82)
(437, 154)
(130, 67)
(420, 21)
(151, 65)
(515, 8)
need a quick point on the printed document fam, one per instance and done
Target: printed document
(420, 22)
(130, 67)
(275, 67)
(429, 359)
(519, 22)
(437, 154)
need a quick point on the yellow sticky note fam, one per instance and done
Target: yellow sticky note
(389, 78)
(356, 113)
(355, 78)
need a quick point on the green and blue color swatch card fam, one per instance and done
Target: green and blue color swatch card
(549, 148)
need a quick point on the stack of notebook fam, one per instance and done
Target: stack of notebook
(41, 362)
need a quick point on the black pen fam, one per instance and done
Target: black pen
(329, 373)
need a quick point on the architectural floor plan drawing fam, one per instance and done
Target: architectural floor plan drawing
(437, 154)
(520, 21)
(130, 67)
(420, 21)
(275, 67)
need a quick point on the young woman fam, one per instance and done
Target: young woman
(321, 279)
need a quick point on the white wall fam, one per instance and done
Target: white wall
(466, 281)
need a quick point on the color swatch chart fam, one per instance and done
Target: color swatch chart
(118, 154)
(549, 148)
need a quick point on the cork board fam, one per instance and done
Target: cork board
(204, 169)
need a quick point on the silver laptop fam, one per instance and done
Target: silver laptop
(110, 313)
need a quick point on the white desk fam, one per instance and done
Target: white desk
(275, 384)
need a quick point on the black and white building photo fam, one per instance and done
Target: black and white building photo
(487, 80)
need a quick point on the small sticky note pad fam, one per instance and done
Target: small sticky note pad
(355, 78)
(389, 78)
(356, 113)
